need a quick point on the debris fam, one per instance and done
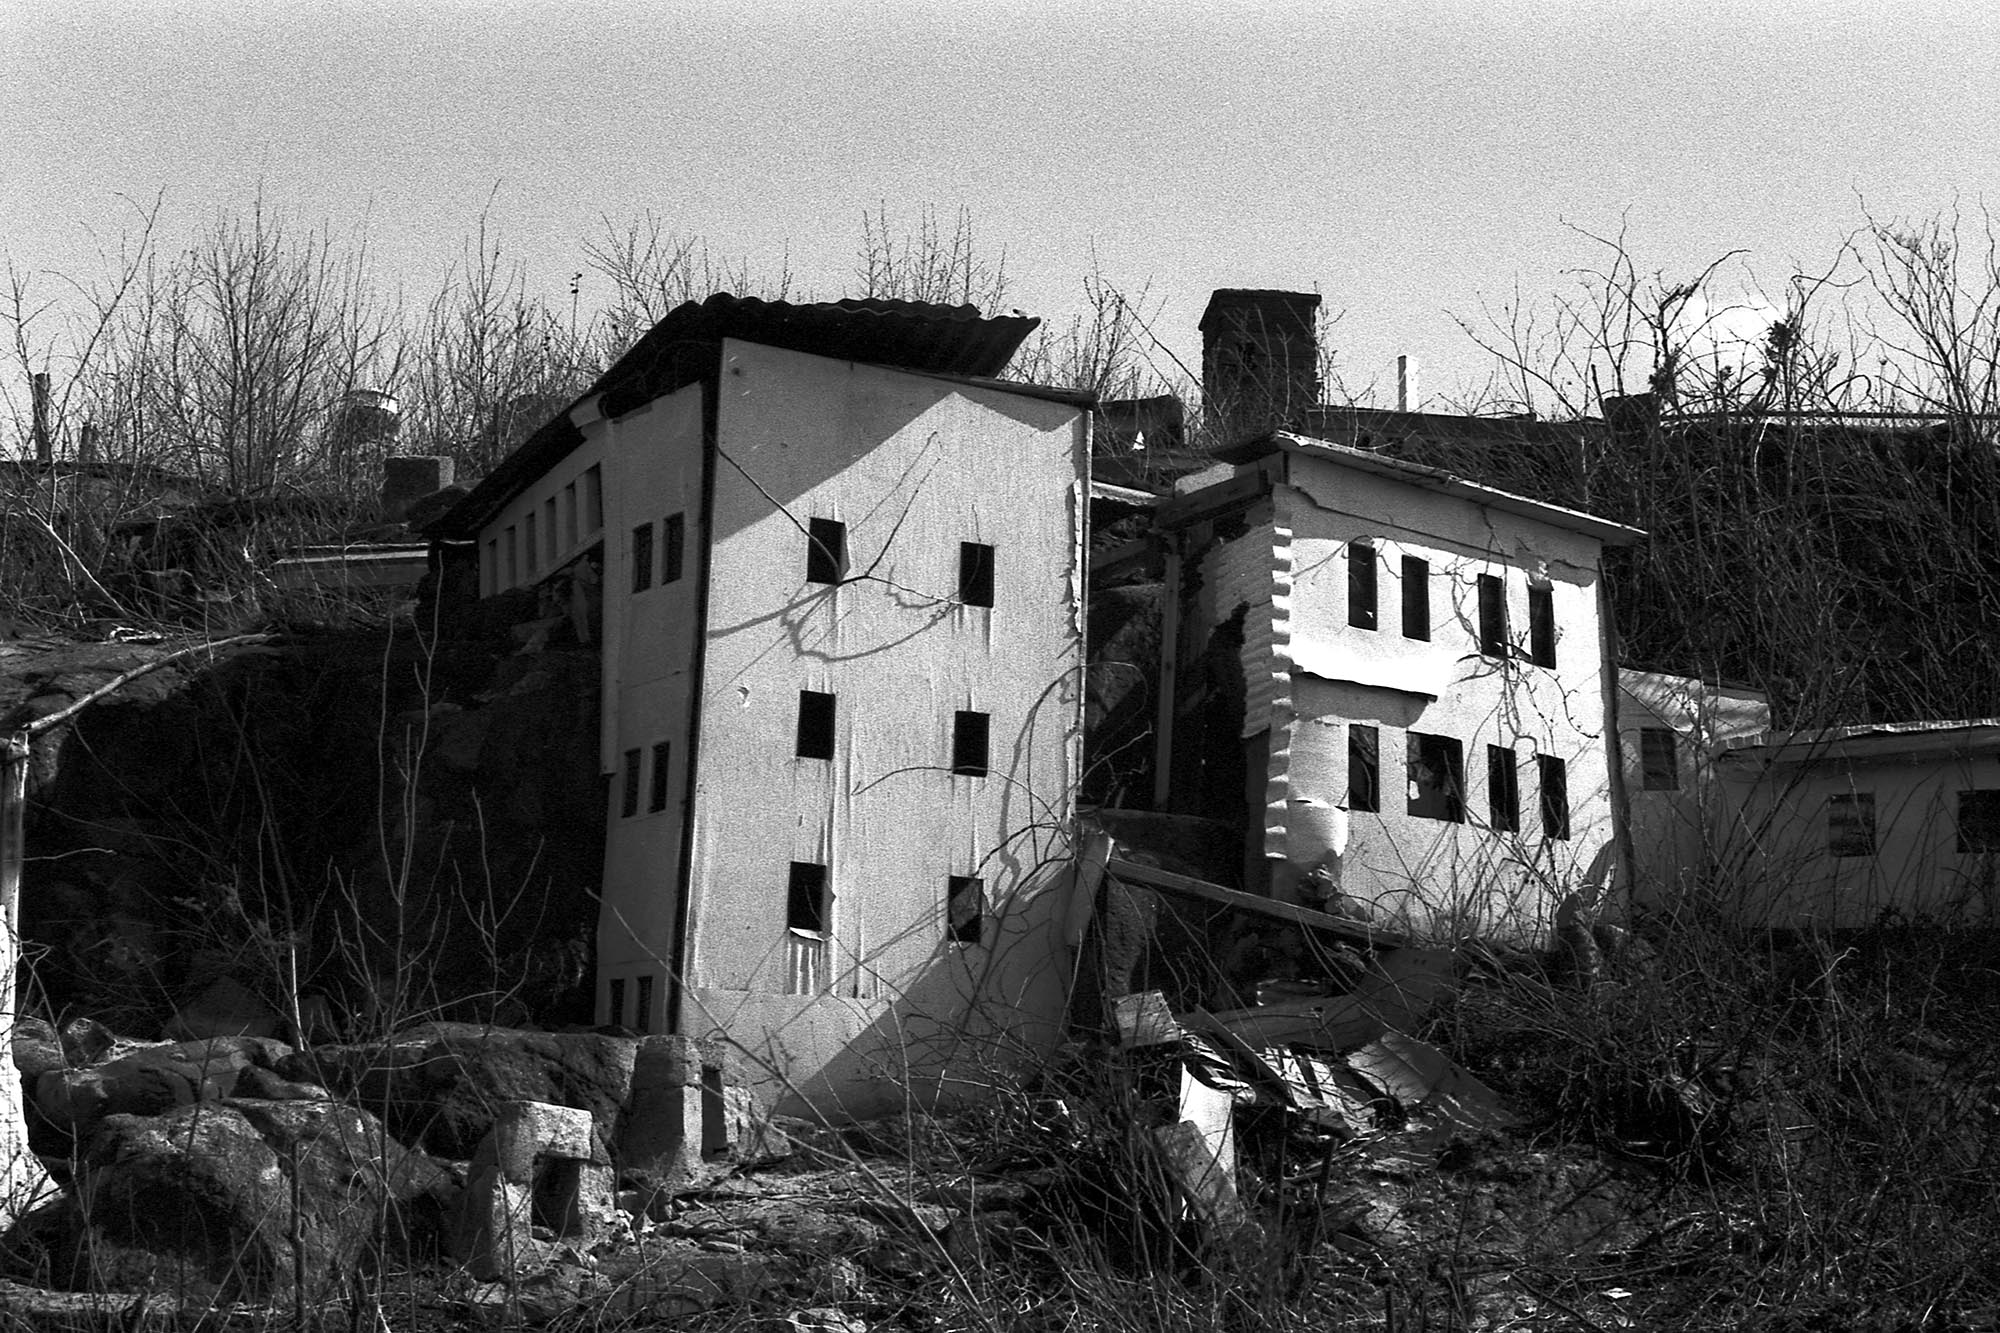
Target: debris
(1200, 1151)
(1418, 1074)
(1143, 1019)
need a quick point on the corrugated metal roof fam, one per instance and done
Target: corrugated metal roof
(686, 346)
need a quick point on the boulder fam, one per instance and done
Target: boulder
(150, 1080)
(208, 1192)
(227, 1008)
(442, 1085)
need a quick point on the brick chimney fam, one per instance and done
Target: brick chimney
(1259, 357)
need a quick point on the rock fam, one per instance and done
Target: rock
(151, 1080)
(209, 1189)
(227, 1008)
(85, 1039)
(542, 1166)
(37, 1049)
(442, 1085)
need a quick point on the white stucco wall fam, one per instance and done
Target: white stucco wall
(913, 466)
(1782, 872)
(1677, 831)
(564, 492)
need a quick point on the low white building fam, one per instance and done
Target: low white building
(842, 645)
(1836, 828)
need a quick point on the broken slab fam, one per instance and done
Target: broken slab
(541, 1165)
(1143, 1019)
(1417, 1074)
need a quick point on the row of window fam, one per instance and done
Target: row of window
(642, 1012)
(809, 903)
(1364, 611)
(673, 547)
(538, 542)
(1435, 766)
(1850, 822)
(826, 561)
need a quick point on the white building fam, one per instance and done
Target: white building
(1402, 676)
(842, 646)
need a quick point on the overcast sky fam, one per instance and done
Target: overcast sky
(1407, 160)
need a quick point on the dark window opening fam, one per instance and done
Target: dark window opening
(533, 542)
(1361, 585)
(1979, 821)
(513, 558)
(808, 902)
(629, 803)
(1492, 615)
(549, 536)
(593, 499)
(1437, 777)
(662, 767)
(826, 551)
(975, 574)
(642, 1009)
(1503, 790)
(968, 744)
(965, 909)
(1554, 775)
(1850, 823)
(1659, 760)
(1541, 625)
(1416, 598)
(617, 1002)
(642, 557)
(673, 541)
(1364, 768)
(570, 534)
(815, 734)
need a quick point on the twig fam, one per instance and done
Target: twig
(117, 683)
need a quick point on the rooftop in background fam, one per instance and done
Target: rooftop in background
(1873, 740)
(686, 345)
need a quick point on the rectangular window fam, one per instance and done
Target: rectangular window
(551, 547)
(965, 909)
(1361, 585)
(1364, 768)
(1437, 777)
(628, 801)
(808, 902)
(1416, 598)
(826, 551)
(593, 500)
(673, 543)
(662, 768)
(968, 744)
(1554, 776)
(489, 568)
(815, 732)
(617, 1003)
(1503, 790)
(1850, 823)
(1492, 615)
(642, 1007)
(1979, 821)
(570, 536)
(975, 574)
(1542, 625)
(534, 551)
(1659, 760)
(513, 558)
(642, 557)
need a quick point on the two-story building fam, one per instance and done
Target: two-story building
(841, 572)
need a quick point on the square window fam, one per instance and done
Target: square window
(673, 540)
(642, 557)
(1437, 777)
(617, 1003)
(808, 901)
(826, 551)
(1850, 823)
(1492, 615)
(1554, 775)
(1503, 790)
(642, 1008)
(1979, 821)
(975, 573)
(1416, 598)
(1659, 759)
(662, 768)
(965, 909)
(1364, 768)
(628, 803)
(1541, 625)
(968, 744)
(815, 731)
(1361, 565)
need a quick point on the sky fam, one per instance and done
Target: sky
(1414, 163)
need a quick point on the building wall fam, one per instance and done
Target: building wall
(1784, 869)
(1675, 801)
(565, 494)
(880, 1001)
(1330, 676)
(652, 465)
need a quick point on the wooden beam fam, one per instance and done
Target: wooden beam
(1240, 901)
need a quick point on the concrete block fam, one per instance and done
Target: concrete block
(540, 1165)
